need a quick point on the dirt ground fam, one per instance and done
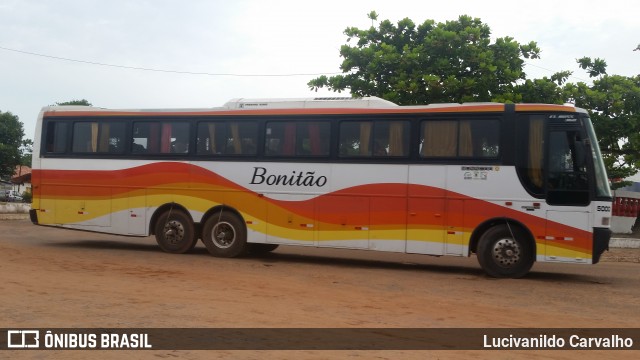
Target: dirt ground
(68, 279)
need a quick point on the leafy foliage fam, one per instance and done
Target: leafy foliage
(25, 152)
(82, 102)
(432, 62)
(456, 61)
(614, 105)
(11, 133)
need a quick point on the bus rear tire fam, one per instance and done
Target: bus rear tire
(225, 235)
(505, 252)
(175, 232)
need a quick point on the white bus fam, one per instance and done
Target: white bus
(512, 183)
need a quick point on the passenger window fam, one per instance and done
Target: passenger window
(160, 138)
(385, 138)
(146, 138)
(355, 138)
(94, 137)
(479, 138)
(288, 138)
(227, 138)
(464, 139)
(439, 139)
(56, 137)
(391, 138)
(530, 152)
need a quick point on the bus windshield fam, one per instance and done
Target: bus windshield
(602, 182)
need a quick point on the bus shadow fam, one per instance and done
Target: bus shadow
(469, 269)
(274, 258)
(555, 277)
(271, 259)
(470, 272)
(107, 245)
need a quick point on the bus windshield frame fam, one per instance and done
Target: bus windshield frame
(602, 189)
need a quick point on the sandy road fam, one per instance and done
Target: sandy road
(60, 278)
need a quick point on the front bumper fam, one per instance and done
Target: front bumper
(601, 237)
(33, 214)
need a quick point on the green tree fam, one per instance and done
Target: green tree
(545, 90)
(613, 102)
(25, 152)
(432, 62)
(456, 61)
(11, 133)
(82, 102)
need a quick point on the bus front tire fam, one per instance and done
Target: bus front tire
(505, 252)
(175, 232)
(225, 235)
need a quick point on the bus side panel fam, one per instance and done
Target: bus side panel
(75, 206)
(426, 210)
(292, 224)
(129, 211)
(344, 221)
(388, 217)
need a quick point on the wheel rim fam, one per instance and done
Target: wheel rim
(173, 232)
(506, 252)
(223, 235)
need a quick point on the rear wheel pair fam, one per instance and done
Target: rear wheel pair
(224, 234)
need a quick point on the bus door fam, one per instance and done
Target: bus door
(567, 188)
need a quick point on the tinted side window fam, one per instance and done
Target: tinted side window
(460, 138)
(56, 137)
(227, 138)
(439, 139)
(382, 138)
(160, 138)
(355, 138)
(391, 138)
(94, 137)
(530, 152)
(297, 138)
(479, 139)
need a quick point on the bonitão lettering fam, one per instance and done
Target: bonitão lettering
(296, 178)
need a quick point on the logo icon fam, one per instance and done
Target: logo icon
(23, 339)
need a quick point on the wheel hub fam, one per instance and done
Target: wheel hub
(223, 235)
(506, 252)
(174, 231)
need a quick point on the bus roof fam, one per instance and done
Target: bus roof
(317, 105)
(317, 102)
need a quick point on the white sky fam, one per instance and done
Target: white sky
(258, 37)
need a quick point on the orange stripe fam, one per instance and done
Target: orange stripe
(382, 206)
(544, 107)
